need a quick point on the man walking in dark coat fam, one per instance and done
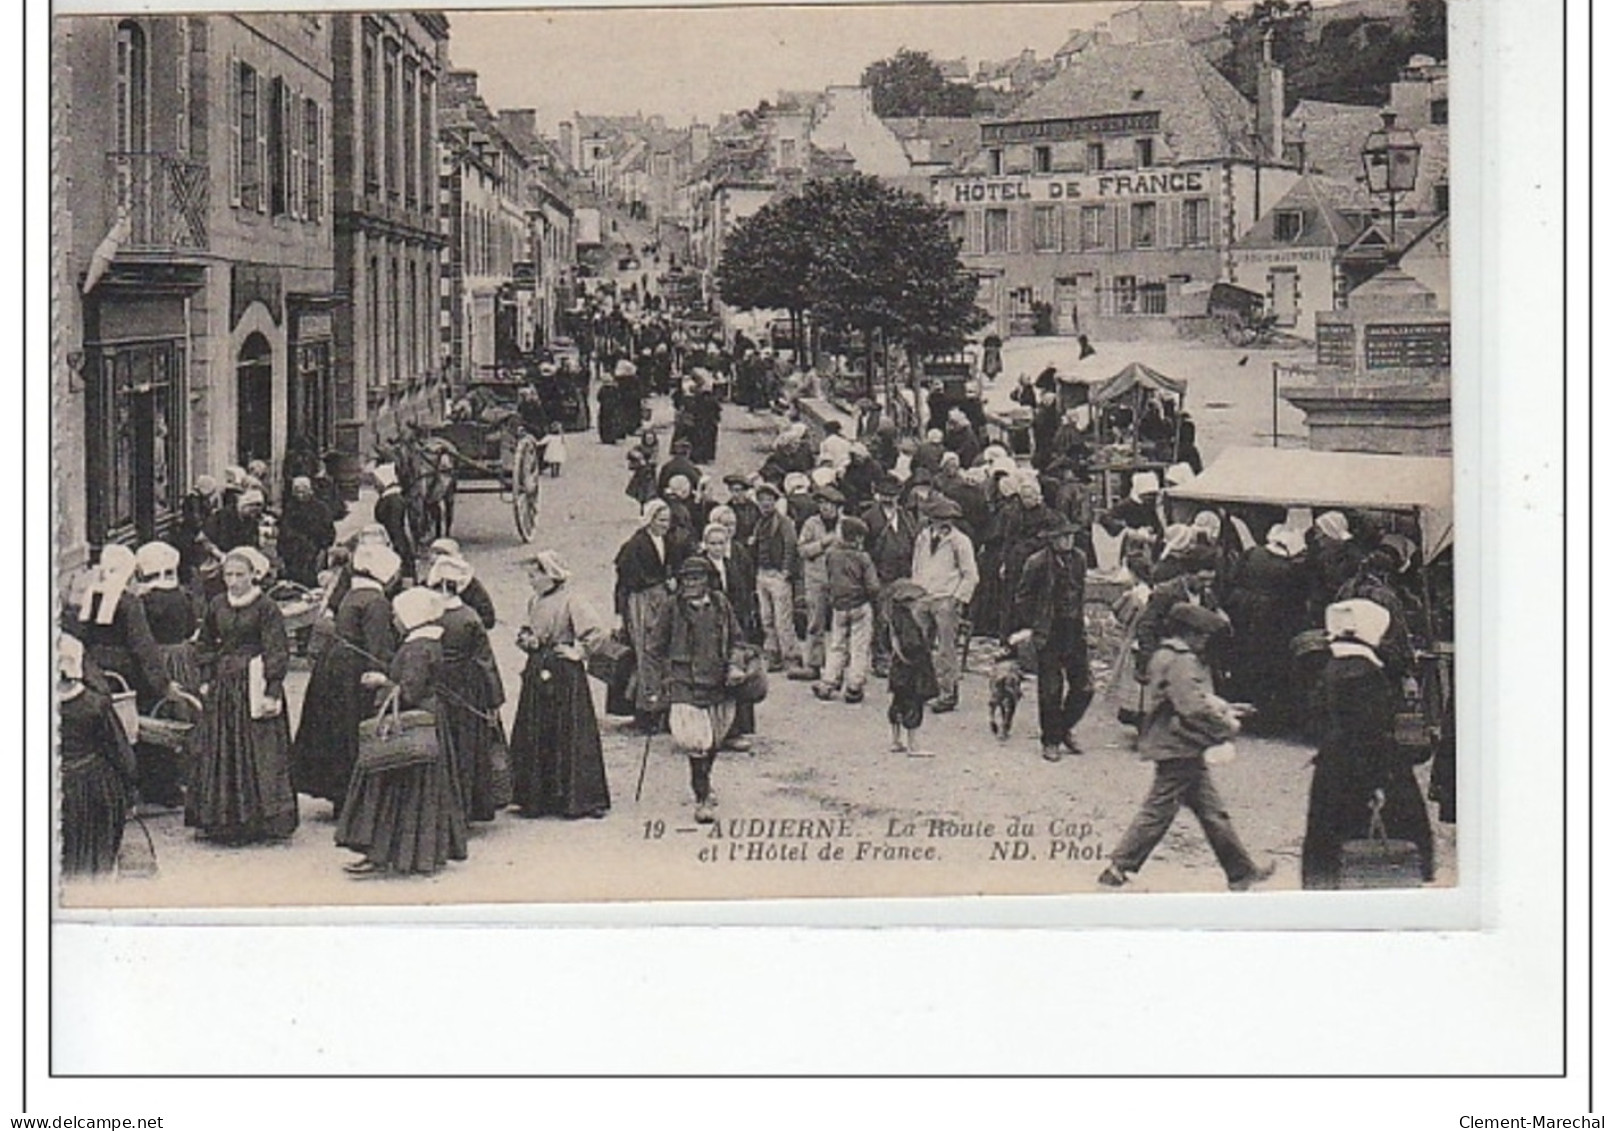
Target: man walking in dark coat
(892, 530)
(1048, 611)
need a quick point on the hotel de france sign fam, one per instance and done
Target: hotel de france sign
(1045, 188)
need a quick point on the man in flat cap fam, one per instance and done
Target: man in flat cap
(1048, 611)
(1183, 718)
(945, 567)
(820, 531)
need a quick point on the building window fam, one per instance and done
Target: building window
(1152, 298)
(956, 227)
(1144, 152)
(255, 383)
(313, 161)
(377, 377)
(997, 231)
(995, 162)
(787, 153)
(1096, 156)
(1287, 225)
(1196, 222)
(1441, 198)
(1045, 228)
(1043, 159)
(279, 144)
(411, 325)
(1124, 294)
(393, 361)
(389, 114)
(1143, 216)
(1438, 111)
(1093, 227)
(372, 121)
(428, 147)
(249, 165)
(411, 170)
(132, 94)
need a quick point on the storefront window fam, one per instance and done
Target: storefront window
(135, 432)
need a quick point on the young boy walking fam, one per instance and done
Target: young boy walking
(854, 585)
(912, 677)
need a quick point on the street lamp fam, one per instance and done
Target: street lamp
(1391, 163)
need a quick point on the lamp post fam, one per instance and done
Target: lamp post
(1391, 163)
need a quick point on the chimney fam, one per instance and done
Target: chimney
(1270, 103)
(521, 126)
(567, 135)
(459, 86)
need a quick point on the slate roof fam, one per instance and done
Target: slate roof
(1202, 116)
(1333, 137)
(1322, 202)
(952, 139)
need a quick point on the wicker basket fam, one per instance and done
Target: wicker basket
(174, 734)
(124, 706)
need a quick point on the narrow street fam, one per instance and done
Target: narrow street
(812, 761)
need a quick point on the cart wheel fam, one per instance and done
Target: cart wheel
(527, 487)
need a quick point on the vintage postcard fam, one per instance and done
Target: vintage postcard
(573, 456)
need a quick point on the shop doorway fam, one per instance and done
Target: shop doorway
(1285, 289)
(255, 384)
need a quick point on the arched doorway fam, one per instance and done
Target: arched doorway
(255, 381)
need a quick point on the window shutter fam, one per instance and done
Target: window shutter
(975, 231)
(319, 148)
(259, 88)
(294, 175)
(1012, 239)
(1123, 225)
(232, 88)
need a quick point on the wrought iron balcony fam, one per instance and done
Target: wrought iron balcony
(165, 197)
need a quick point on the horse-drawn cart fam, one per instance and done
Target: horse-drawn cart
(494, 446)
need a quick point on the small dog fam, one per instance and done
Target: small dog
(1004, 692)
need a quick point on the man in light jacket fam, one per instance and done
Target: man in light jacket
(1183, 718)
(945, 567)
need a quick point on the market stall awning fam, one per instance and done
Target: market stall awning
(1133, 377)
(1339, 480)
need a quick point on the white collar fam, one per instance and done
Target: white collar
(1345, 648)
(425, 632)
(452, 601)
(365, 581)
(71, 693)
(247, 598)
(391, 489)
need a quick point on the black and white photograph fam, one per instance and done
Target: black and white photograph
(514, 457)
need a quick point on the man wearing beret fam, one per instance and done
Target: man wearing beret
(1183, 718)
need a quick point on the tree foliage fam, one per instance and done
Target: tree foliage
(857, 254)
(911, 85)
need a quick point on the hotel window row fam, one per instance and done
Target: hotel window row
(1083, 227)
(278, 146)
(396, 108)
(1085, 157)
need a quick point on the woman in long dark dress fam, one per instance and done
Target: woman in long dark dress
(472, 696)
(408, 819)
(241, 784)
(328, 733)
(1358, 760)
(97, 765)
(171, 615)
(555, 753)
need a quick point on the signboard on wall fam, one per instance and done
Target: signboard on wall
(1334, 345)
(1418, 345)
(1071, 129)
(1045, 189)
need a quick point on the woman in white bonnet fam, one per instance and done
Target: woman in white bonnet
(1360, 771)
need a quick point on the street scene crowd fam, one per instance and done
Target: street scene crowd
(858, 562)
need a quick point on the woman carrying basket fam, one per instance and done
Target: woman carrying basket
(402, 811)
(472, 696)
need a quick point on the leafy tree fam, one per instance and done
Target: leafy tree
(859, 255)
(911, 85)
(1289, 25)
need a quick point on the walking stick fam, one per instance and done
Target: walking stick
(644, 761)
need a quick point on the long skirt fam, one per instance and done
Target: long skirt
(555, 756)
(476, 734)
(1343, 787)
(241, 785)
(409, 819)
(644, 607)
(93, 804)
(328, 733)
(163, 769)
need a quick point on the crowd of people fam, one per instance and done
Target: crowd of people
(841, 561)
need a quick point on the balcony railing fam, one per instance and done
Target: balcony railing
(166, 197)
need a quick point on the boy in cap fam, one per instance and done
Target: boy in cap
(944, 566)
(853, 587)
(1183, 718)
(773, 545)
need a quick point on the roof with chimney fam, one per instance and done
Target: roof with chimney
(1333, 213)
(1202, 116)
(949, 140)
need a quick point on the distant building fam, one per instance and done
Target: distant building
(1114, 194)
(1293, 255)
(193, 259)
(388, 239)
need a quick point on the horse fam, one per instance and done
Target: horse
(426, 476)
